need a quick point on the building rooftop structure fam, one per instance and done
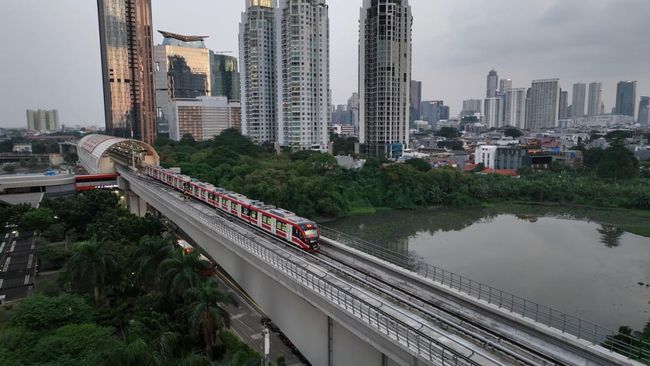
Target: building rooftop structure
(98, 153)
(174, 39)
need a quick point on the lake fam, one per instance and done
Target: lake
(567, 261)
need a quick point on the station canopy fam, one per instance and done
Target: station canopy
(99, 153)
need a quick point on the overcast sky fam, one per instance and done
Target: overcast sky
(50, 48)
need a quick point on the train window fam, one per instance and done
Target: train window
(266, 219)
(225, 202)
(281, 226)
(246, 211)
(253, 215)
(233, 206)
(296, 233)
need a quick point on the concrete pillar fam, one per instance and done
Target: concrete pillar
(137, 206)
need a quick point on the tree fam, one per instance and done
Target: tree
(38, 219)
(73, 344)
(618, 163)
(448, 132)
(419, 164)
(148, 257)
(6, 146)
(9, 168)
(206, 317)
(40, 313)
(180, 272)
(91, 264)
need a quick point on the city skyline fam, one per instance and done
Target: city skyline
(451, 71)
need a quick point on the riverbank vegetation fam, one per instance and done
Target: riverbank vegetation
(313, 185)
(124, 294)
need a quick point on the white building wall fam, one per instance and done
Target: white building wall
(516, 108)
(493, 112)
(486, 155)
(302, 66)
(257, 59)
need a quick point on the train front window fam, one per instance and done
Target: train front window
(311, 233)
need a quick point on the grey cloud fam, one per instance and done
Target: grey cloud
(55, 63)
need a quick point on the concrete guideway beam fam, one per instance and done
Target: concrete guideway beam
(299, 312)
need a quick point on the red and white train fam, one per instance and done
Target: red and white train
(280, 223)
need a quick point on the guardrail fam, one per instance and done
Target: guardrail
(628, 346)
(395, 329)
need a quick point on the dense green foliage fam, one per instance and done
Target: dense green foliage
(615, 162)
(125, 295)
(312, 185)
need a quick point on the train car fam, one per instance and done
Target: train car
(280, 223)
(210, 267)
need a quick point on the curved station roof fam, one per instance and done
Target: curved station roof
(99, 153)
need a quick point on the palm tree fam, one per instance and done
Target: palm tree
(181, 272)
(91, 264)
(148, 257)
(207, 317)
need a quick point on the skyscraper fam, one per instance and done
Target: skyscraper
(126, 43)
(303, 70)
(353, 109)
(504, 86)
(493, 112)
(595, 99)
(471, 107)
(492, 84)
(564, 104)
(626, 98)
(384, 76)
(516, 108)
(644, 111)
(544, 104)
(257, 56)
(182, 65)
(578, 105)
(416, 99)
(225, 76)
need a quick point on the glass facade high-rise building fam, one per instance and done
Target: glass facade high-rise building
(626, 98)
(595, 100)
(303, 69)
(544, 104)
(492, 84)
(504, 86)
(384, 76)
(182, 71)
(579, 95)
(416, 99)
(126, 43)
(225, 77)
(257, 57)
(644, 112)
(564, 104)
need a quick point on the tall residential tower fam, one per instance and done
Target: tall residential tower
(544, 104)
(492, 84)
(578, 105)
(626, 98)
(595, 100)
(257, 57)
(303, 69)
(384, 76)
(126, 43)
